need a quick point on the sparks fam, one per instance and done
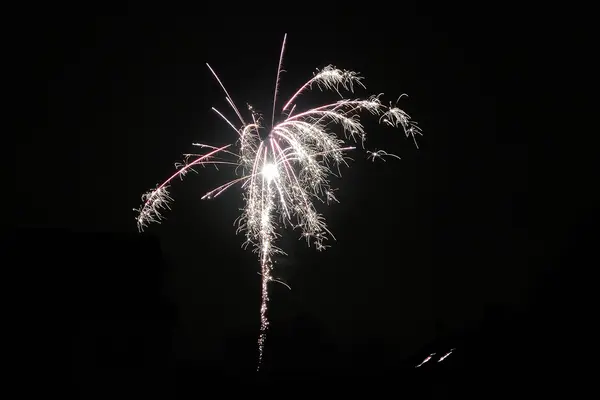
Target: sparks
(442, 358)
(285, 173)
(425, 360)
(379, 154)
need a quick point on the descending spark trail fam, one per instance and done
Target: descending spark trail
(380, 154)
(282, 174)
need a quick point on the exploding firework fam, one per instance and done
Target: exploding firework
(286, 172)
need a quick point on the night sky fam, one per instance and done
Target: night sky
(454, 246)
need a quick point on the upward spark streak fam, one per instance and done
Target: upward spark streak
(283, 174)
(277, 80)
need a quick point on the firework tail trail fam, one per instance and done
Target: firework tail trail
(265, 259)
(266, 265)
(289, 169)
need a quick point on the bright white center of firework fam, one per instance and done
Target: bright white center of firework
(270, 171)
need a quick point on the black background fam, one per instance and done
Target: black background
(480, 240)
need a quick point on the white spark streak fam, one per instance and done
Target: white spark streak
(426, 359)
(442, 358)
(380, 154)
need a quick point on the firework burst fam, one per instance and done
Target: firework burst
(285, 173)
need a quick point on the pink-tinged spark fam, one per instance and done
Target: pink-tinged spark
(159, 198)
(442, 358)
(195, 162)
(220, 189)
(426, 359)
(228, 98)
(292, 110)
(225, 119)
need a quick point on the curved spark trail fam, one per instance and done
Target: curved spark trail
(282, 174)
